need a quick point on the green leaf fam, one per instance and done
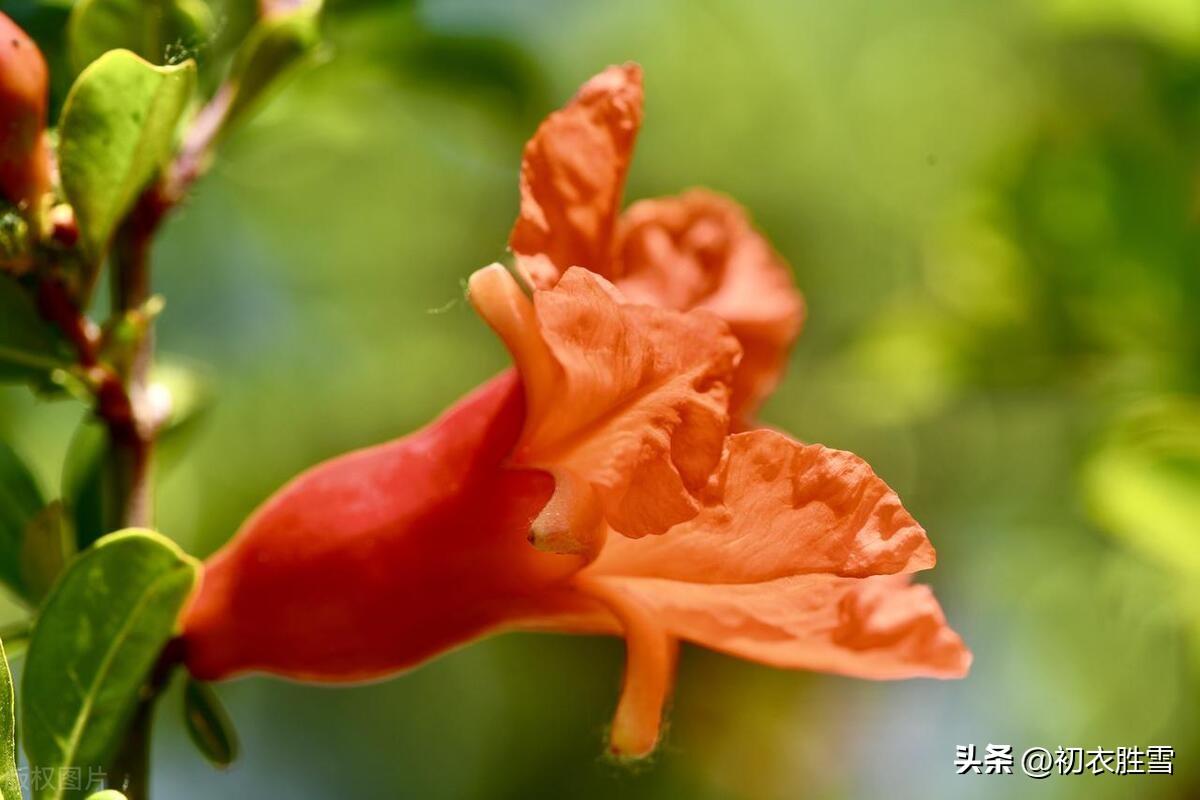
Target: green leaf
(107, 794)
(117, 130)
(30, 347)
(208, 724)
(160, 31)
(1143, 484)
(20, 503)
(275, 46)
(48, 547)
(10, 781)
(96, 640)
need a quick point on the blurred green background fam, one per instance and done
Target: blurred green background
(993, 209)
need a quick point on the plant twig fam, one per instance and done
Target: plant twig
(131, 423)
(195, 153)
(130, 768)
(132, 438)
(55, 305)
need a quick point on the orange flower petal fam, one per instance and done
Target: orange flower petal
(880, 627)
(499, 300)
(572, 176)
(699, 250)
(650, 655)
(572, 521)
(629, 398)
(777, 508)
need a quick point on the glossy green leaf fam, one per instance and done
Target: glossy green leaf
(48, 546)
(30, 347)
(208, 724)
(1143, 484)
(274, 48)
(160, 31)
(117, 130)
(20, 502)
(10, 781)
(96, 640)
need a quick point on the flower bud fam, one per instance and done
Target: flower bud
(24, 150)
(382, 558)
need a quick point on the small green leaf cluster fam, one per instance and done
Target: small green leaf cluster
(141, 92)
(151, 95)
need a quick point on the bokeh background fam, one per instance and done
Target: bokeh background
(993, 209)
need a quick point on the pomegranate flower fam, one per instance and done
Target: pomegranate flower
(595, 488)
(697, 250)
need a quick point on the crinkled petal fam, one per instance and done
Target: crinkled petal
(572, 176)
(777, 508)
(880, 627)
(699, 250)
(630, 398)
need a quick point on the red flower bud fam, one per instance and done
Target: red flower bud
(24, 151)
(382, 558)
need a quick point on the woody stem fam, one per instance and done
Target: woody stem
(131, 423)
(113, 403)
(131, 431)
(130, 769)
(122, 399)
(128, 478)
